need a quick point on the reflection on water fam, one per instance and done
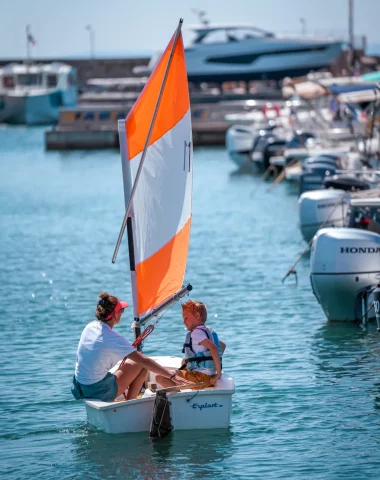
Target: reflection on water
(341, 349)
(138, 456)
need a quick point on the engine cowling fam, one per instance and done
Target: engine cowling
(320, 206)
(344, 265)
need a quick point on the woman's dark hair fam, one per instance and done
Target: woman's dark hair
(106, 306)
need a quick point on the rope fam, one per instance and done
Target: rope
(291, 269)
(271, 168)
(368, 309)
(293, 163)
(188, 400)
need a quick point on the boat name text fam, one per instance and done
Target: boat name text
(205, 405)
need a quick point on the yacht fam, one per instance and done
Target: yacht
(32, 94)
(219, 53)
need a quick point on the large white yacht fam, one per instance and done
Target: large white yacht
(219, 53)
(32, 94)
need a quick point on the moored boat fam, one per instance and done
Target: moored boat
(32, 94)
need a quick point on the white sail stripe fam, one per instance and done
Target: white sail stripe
(162, 202)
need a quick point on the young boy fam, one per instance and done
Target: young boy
(202, 348)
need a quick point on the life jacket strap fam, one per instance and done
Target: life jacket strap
(194, 359)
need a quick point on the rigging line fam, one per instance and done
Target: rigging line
(291, 269)
(188, 400)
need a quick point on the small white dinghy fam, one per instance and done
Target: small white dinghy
(157, 161)
(189, 409)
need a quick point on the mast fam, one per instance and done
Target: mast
(27, 44)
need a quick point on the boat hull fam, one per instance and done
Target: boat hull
(250, 59)
(203, 409)
(31, 109)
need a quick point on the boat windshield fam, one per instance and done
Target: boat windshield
(29, 79)
(223, 35)
(51, 80)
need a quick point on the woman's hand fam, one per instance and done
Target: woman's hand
(177, 380)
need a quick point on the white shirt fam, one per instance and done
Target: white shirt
(198, 335)
(99, 349)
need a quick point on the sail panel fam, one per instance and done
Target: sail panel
(174, 103)
(161, 275)
(162, 200)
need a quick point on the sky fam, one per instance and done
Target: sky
(122, 27)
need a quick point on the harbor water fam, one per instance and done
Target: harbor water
(307, 401)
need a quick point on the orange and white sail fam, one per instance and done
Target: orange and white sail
(161, 205)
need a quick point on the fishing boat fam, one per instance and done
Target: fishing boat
(157, 164)
(33, 94)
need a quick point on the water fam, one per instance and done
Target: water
(307, 393)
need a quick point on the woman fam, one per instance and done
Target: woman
(100, 348)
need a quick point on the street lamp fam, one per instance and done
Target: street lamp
(91, 32)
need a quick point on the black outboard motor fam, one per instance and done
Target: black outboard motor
(315, 169)
(344, 182)
(274, 148)
(376, 304)
(312, 177)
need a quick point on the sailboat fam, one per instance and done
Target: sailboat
(157, 164)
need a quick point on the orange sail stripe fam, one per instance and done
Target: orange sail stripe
(162, 274)
(174, 104)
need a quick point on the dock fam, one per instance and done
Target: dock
(94, 126)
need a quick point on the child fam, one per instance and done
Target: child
(202, 348)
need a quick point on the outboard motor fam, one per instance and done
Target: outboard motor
(321, 207)
(344, 262)
(376, 304)
(239, 143)
(274, 148)
(345, 182)
(312, 177)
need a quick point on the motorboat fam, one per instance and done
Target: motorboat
(32, 94)
(219, 53)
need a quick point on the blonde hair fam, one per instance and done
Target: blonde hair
(106, 305)
(194, 306)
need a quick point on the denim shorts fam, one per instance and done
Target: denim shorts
(105, 390)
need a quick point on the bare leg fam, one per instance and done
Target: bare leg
(135, 386)
(165, 382)
(130, 373)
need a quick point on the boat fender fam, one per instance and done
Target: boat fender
(269, 110)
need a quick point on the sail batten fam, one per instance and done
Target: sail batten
(162, 199)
